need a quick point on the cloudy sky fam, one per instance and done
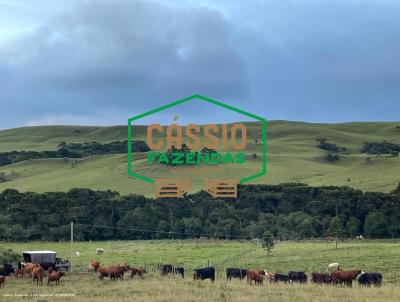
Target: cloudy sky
(100, 62)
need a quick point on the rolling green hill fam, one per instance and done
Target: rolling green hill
(292, 157)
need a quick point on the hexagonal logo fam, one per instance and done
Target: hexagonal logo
(212, 156)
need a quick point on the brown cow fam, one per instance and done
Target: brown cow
(346, 277)
(54, 277)
(20, 271)
(103, 272)
(2, 281)
(256, 276)
(96, 265)
(271, 277)
(137, 271)
(320, 278)
(29, 267)
(38, 274)
(117, 271)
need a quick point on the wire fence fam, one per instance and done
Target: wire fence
(317, 259)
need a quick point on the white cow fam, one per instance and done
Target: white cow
(99, 250)
(332, 267)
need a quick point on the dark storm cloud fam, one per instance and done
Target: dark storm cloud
(309, 60)
(122, 55)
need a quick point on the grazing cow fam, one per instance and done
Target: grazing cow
(54, 277)
(95, 264)
(6, 270)
(2, 280)
(20, 271)
(332, 267)
(38, 274)
(366, 279)
(204, 273)
(235, 273)
(99, 250)
(137, 271)
(320, 278)
(346, 277)
(281, 278)
(256, 276)
(300, 277)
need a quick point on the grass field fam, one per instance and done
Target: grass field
(310, 256)
(292, 157)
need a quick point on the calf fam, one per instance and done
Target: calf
(137, 271)
(2, 280)
(366, 279)
(54, 277)
(20, 271)
(204, 273)
(235, 273)
(300, 277)
(320, 278)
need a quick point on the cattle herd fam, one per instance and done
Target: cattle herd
(333, 275)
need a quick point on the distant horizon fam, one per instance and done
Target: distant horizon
(239, 121)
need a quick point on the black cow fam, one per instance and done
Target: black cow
(281, 278)
(180, 270)
(300, 277)
(6, 269)
(204, 273)
(169, 269)
(366, 279)
(235, 273)
(320, 278)
(166, 269)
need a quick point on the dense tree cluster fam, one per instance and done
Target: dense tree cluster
(285, 211)
(73, 150)
(323, 144)
(381, 148)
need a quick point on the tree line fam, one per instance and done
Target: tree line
(285, 210)
(381, 148)
(73, 150)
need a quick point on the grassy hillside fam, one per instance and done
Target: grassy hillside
(292, 156)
